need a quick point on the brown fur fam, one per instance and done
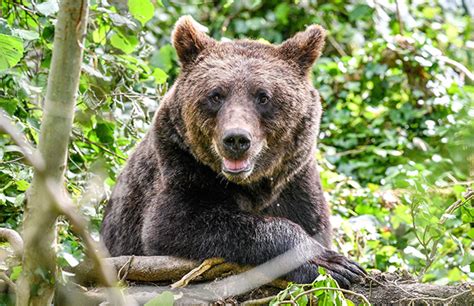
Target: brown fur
(177, 195)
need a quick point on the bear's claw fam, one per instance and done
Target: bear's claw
(345, 271)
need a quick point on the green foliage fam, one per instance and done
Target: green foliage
(324, 290)
(11, 51)
(141, 10)
(163, 299)
(396, 142)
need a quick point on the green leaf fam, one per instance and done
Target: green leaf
(141, 10)
(16, 271)
(9, 105)
(105, 132)
(227, 4)
(22, 185)
(26, 34)
(125, 43)
(163, 299)
(11, 51)
(159, 75)
(164, 58)
(99, 35)
(281, 13)
(5, 27)
(303, 300)
(361, 11)
(48, 8)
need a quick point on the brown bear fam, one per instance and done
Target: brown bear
(228, 167)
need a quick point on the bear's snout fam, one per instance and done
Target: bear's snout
(236, 142)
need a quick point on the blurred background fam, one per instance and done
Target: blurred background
(396, 148)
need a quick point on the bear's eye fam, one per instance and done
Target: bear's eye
(216, 97)
(263, 98)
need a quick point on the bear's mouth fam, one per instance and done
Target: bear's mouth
(235, 167)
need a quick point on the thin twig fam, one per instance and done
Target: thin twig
(331, 39)
(9, 282)
(203, 267)
(11, 161)
(29, 152)
(427, 252)
(287, 302)
(457, 65)
(336, 45)
(261, 301)
(86, 140)
(467, 196)
(128, 264)
(350, 152)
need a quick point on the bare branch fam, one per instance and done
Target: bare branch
(14, 239)
(457, 65)
(29, 152)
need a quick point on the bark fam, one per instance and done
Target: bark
(137, 268)
(402, 289)
(36, 284)
(150, 275)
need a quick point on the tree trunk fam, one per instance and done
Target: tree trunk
(36, 284)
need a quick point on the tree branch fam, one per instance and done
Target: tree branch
(61, 204)
(14, 239)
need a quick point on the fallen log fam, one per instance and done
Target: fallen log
(147, 276)
(402, 289)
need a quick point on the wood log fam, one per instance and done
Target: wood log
(147, 276)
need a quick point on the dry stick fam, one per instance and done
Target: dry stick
(128, 264)
(457, 65)
(14, 239)
(203, 267)
(261, 301)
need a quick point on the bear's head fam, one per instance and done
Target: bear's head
(247, 107)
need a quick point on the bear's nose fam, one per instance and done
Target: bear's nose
(236, 141)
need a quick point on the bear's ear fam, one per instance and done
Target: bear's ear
(304, 48)
(188, 40)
